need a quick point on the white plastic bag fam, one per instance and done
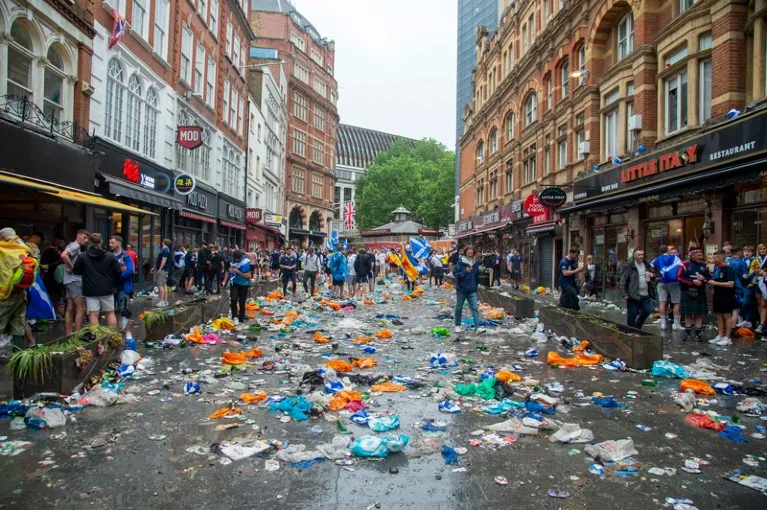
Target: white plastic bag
(129, 357)
(610, 451)
(572, 433)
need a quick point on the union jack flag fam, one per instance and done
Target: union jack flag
(350, 213)
(119, 28)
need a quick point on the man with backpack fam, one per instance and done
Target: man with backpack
(667, 265)
(125, 287)
(311, 269)
(102, 275)
(19, 273)
(178, 266)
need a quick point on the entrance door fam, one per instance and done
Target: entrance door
(547, 261)
(558, 255)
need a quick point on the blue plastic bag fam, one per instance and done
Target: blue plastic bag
(607, 402)
(295, 407)
(372, 446)
(429, 426)
(384, 424)
(662, 368)
(450, 455)
(733, 433)
(535, 407)
(334, 386)
(361, 417)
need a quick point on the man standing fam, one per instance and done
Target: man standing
(724, 283)
(693, 275)
(126, 279)
(452, 260)
(203, 268)
(736, 263)
(381, 263)
(190, 265)
(667, 266)
(747, 282)
(638, 284)
(436, 269)
(288, 268)
(160, 270)
(351, 274)
(311, 269)
(466, 274)
(568, 269)
(101, 276)
(497, 261)
(13, 294)
(514, 266)
(361, 267)
(338, 267)
(73, 284)
(216, 269)
(179, 260)
(240, 272)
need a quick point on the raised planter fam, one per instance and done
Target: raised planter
(637, 348)
(519, 306)
(174, 320)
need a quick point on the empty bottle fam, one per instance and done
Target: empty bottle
(35, 423)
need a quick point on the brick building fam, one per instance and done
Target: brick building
(312, 94)
(600, 97)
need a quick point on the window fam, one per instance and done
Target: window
(20, 62)
(210, 91)
(114, 101)
(494, 185)
(259, 133)
(317, 57)
(202, 9)
(630, 142)
(562, 146)
(511, 56)
(506, 66)
(581, 64)
(236, 55)
(298, 40)
(53, 85)
(150, 123)
(333, 97)
(228, 38)
(630, 89)
(676, 56)
(186, 54)
(299, 106)
(494, 141)
(611, 134)
(531, 109)
(240, 112)
(318, 152)
(319, 119)
(531, 26)
(480, 152)
(318, 185)
(524, 37)
(547, 156)
(298, 180)
(480, 192)
(612, 97)
(133, 114)
(549, 92)
(565, 78)
(214, 17)
(580, 135)
(199, 68)
(301, 72)
(233, 108)
(704, 91)
(330, 70)
(686, 4)
(704, 41)
(138, 20)
(509, 127)
(546, 11)
(299, 143)
(231, 163)
(676, 102)
(320, 87)
(225, 109)
(161, 10)
(528, 164)
(626, 36)
(509, 177)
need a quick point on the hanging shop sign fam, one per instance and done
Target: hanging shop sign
(552, 197)
(189, 137)
(253, 216)
(184, 184)
(533, 206)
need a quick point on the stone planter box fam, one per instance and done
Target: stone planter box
(179, 320)
(637, 348)
(64, 375)
(519, 306)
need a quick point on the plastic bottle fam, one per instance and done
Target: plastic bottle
(130, 343)
(439, 332)
(35, 423)
(649, 382)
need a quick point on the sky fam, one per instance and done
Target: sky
(395, 63)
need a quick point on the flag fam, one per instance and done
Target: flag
(420, 247)
(407, 265)
(119, 28)
(350, 215)
(39, 305)
(346, 245)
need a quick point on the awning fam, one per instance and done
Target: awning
(232, 225)
(312, 233)
(195, 216)
(483, 230)
(142, 194)
(267, 229)
(68, 194)
(541, 227)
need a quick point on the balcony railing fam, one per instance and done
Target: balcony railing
(21, 108)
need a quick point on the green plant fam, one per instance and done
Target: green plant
(38, 361)
(154, 317)
(84, 356)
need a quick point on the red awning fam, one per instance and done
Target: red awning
(194, 216)
(482, 230)
(232, 225)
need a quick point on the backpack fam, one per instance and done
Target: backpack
(58, 273)
(24, 276)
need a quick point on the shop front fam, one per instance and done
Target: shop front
(196, 222)
(231, 222)
(544, 249)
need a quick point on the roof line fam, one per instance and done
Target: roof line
(381, 132)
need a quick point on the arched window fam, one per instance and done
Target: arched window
(295, 219)
(509, 127)
(150, 123)
(114, 102)
(564, 78)
(20, 56)
(480, 152)
(626, 36)
(53, 101)
(531, 109)
(315, 223)
(494, 141)
(133, 114)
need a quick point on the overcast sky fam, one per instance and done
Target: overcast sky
(395, 63)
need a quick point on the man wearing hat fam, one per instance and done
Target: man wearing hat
(693, 275)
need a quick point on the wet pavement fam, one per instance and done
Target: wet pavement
(163, 451)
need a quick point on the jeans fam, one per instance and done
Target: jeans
(637, 311)
(310, 276)
(748, 307)
(288, 276)
(496, 276)
(239, 294)
(568, 298)
(471, 297)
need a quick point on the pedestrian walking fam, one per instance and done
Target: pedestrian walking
(216, 269)
(311, 270)
(724, 301)
(101, 274)
(693, 275)
(497, 263)
(338, 266)
(288, 268)
(466, 272)
(351, 274)
(514, 266)
(638, 284)
(568, 270)
(589, 279)
(161, 270)
(240, 272)
(362, 269)
(73, 283)
(18, 273)
(203, 268)
(738, 265)
(179, 262)
(190, 268)
(667, 267)
(436, 269)
(125, 287)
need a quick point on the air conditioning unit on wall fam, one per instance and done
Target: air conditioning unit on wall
(584, 148)
(635, 123)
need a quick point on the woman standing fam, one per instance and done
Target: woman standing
(759, 267)
(466, 274)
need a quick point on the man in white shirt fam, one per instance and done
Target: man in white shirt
(311, 269)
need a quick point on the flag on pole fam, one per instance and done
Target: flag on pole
(410, 271)
(420, 247)
(350, 215)
(119, 28)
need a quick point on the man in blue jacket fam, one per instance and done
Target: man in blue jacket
(122, 304)
(466, 273)
(338, 271)
(568, 288)
(667, 264)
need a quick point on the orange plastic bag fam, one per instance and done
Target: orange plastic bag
(417, 292)
(364, 362)
(232, 358)
(195, 336)
(226, 411)
(252, 307)
(319, 338)
(506, 376)
(363, 340)
(250, 398)
(384, 333)
(745, 333)
(368, 302)
(579, 360)
(697, 386)
(387, 387)
(447, 285)
(581, 346)
(253, 353)
(290, 314)
(339, 365)
(406, 298)
(264, 311)
(342, 398)
(334, 306)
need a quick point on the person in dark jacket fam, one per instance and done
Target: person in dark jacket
(203, 267)
(288, 267)
(638, 284)
(362, 268)
(101, 275)
(124, 289)
(693, 275)
(466, 272)
(568, 288)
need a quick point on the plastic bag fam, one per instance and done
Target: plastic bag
(662, 368)
(339, 365)
(372, 446)
(295, 407)
(224, 412)
(751, 405)
(364, 362)
(384, 333)
(579, 360)
(384, 424)
(572, 433)
(686, 400)
(363, 340)
(342, 398)
(704, 421)
(388, 387)
(607, 402)
(99, 397)
(336, 449)
(319, 338)
(52, 417)
(697, 386)
(733, 433)
(129, 357)
(250, 398)
(610, 451)
(506, 376)
(232, 358)
(513, 426)
(450, 455)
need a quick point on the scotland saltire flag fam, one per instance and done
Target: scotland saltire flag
(422, 269)
(350, 215)
(420, 247)
(346, 245)
(39, 304)
(119, 28)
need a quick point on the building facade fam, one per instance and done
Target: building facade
(603, 97)
(312, 95)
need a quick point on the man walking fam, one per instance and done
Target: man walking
(351, 274)
(693, 275)
(179, 260)
(514, 266)
(240, 272)
(568, 269)
(122, 306)
(747, 282)
(203, 268)
(638, 284)
(20, 275)
(311, 269)
(361, 268)
(216, 269)
(73, 283)
(436, 269)
(190, 265)
(667, 266)
(288, 268)
(338, 268)
(101, 275)
(161, 270)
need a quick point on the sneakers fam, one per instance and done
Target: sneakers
(162, 304)
(759, 330)
(663, 324)
(724, 341)
(743, 324)
(699, 337)
(480, 330)
(715, 340)
(677, 327)
(686, 336)
(458, 329)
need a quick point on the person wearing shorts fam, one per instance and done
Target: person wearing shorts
(102, 275)
(338, 272)
(73, 284)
